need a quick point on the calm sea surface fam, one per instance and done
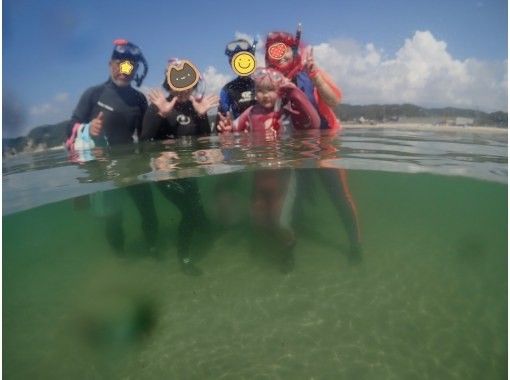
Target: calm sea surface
(376, 253)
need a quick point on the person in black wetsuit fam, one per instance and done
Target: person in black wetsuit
(182, 113)
(111, 114)
(114, 110)
(238, 94)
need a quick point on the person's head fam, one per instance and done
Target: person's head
(267, 86)
(283, 53)
(241, 56)
(182, 78)
(125, 60)
(237, 46)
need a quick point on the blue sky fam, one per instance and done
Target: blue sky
(431, 53)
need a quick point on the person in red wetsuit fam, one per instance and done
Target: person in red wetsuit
(280, 105)
(287, 54)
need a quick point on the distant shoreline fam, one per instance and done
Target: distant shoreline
(427, 127)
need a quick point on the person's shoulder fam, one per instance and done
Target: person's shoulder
(229, 85)
(236, 81)
(138, 94)
(95, 88)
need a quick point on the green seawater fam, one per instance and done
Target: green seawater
(428, 300)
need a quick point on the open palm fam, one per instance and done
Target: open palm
(164, 106)
(205, 103)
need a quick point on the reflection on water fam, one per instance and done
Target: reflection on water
(284, 264)
(51, 176)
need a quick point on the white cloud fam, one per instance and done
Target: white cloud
(422, 72)
(57, 109)
(62, 97)
(215, 80)
(245, 36)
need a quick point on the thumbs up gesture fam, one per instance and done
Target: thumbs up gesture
(96, 125)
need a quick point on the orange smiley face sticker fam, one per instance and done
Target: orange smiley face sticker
(277, 51)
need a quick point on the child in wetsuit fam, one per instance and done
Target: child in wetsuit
(278, 101)
(280, 105)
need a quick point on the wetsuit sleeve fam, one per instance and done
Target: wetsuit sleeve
(152, 123)
(324, 109)
(241, 123)
(303, 113)
(143, 110)
(82, 112)
(331, 84)
(225, 102)
(223, 107)
(204, 127)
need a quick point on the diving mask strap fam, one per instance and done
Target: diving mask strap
(139, 78)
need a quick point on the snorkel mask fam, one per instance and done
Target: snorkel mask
(277, 46)
(268, 76)
(127, 52)
(241, 56)
(239, 45)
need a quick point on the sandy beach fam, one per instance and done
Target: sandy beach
(428, 127)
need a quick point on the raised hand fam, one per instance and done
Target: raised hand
(224, 123)
(96, 125)
(286, 87)
(310, 66)
(205, 103)
(157, 97)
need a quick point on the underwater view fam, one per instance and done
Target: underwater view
(374, 253)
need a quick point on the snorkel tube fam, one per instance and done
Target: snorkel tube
(297, 40)
(295, 51)
(254, 45)
(140, 77)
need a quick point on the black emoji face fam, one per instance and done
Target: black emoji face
(182, 76)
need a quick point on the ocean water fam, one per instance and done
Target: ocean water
(371, 254)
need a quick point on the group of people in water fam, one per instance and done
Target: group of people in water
(290, 93)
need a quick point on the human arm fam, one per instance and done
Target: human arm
(326, 88)
(223, 107)
(242, 122)
(225, 123)
(85, 129)
(84, 115)
(204, 127)
(156, 114)
(302, 112)
(152, 123)
(163, 105)
(143, 109)
(204, 104)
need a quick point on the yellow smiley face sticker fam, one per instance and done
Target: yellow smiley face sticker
(126, 67)
(243, 63)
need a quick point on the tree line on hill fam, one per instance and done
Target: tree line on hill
(53, 135)
(395, 112)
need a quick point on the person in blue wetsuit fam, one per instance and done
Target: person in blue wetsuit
(238, 94)
(111, 114)
(182, 113)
